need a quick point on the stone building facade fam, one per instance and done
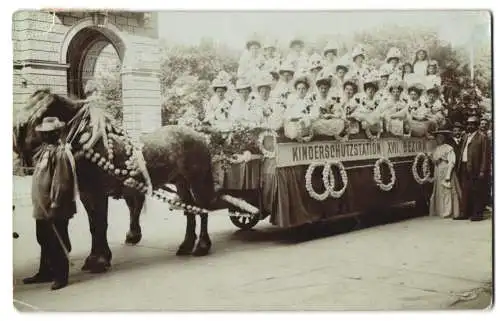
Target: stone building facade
(59, 49)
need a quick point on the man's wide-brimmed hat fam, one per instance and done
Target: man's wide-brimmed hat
(473, 119)
(444, 132)
(457, 125)
(50, 124)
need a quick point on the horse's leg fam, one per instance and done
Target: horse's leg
(135, 203)
(186, 248)
(96, 205)
(204, 195)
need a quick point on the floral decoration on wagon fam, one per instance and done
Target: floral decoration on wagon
(425, 168)
(329, 178)
(309, 188)
(377, 176)
(261, 143)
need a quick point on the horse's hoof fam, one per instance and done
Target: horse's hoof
(182, 251)
(101, 265)
(133, 238)
(202, 248)
(89, 262)
(186, 248)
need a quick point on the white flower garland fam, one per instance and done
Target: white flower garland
(309, 187)
(425, 168)
(377, 176)
(329, 179)
(265, 152)
(370, 135)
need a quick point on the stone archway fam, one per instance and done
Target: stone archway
(140, 63)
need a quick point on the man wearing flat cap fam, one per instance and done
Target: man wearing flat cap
(473, 169)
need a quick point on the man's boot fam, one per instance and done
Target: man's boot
(44, 274)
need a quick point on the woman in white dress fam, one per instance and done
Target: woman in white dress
(393, 59)
(297, 56)
(445, 199)
(395, 110)
(330, 53)
(250, 61)
(300, 110)
(433, 76)
(421, 62)
(359, 70)
(266, 112)
(240, 109)
(284, 87)
(218, 107)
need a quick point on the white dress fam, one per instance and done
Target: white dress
(420, 68)
(445, 199)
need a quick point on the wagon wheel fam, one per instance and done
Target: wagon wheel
(245, 223)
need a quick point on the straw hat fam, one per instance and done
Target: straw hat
(287, 66)
(331, 46)
(393, 53)
(358, 51)
(323, 78)
(342, 62)
(252, 42)
(243, 83)
(372, 79)
(296, 41)
(264, 79)
(315, 61)
(49, 124)
(417, 86)
(396, 83)
(385, 70)
(219, 83)
(302, 79)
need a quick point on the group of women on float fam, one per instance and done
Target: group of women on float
(270, 93)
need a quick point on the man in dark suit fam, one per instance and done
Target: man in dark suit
(457, 139)
(484, 127)
(473, 167)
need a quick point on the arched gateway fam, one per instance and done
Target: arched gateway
(61, 50)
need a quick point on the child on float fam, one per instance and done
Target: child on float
(284, 87)
(240, 109)
(331, 121)
(263, 108)
(297, 56)
(300, 110)
(330, 55)
(251, 60)
(367, 111)
(433, 76)
(315, 66)
(359, 70)
(421, 62)
(383, 91)
(218, 107)
(393, 60)
(338, 78)
(435, 110)
(270, 57)
(394, 111)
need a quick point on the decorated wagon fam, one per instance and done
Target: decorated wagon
(296, 182)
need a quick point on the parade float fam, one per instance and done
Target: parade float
(297, 181)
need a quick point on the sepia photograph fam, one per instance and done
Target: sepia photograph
(244, 160)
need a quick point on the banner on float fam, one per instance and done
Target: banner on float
(293, 154)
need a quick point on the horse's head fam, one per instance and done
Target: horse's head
(42, 103)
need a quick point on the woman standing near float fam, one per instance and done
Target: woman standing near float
(445, 199)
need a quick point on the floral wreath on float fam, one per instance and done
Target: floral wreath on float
(425, 169)
(328, 180)
(377, 176)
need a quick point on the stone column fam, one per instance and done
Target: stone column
(141, 86)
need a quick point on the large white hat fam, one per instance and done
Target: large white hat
(287, 66)
(342, 62)
(323, 76)
(219, 83)
(253, 40)
(385, 70)
(395, 83)
(315, 61)
(269, 43)
(296, 40)
(393, 53)
(372, 78)
(419, 86)
(357, 51)
(264, 79)
(242, 83)
(302, 78)
(330, 46)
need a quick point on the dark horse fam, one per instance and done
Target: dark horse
(172, 154)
